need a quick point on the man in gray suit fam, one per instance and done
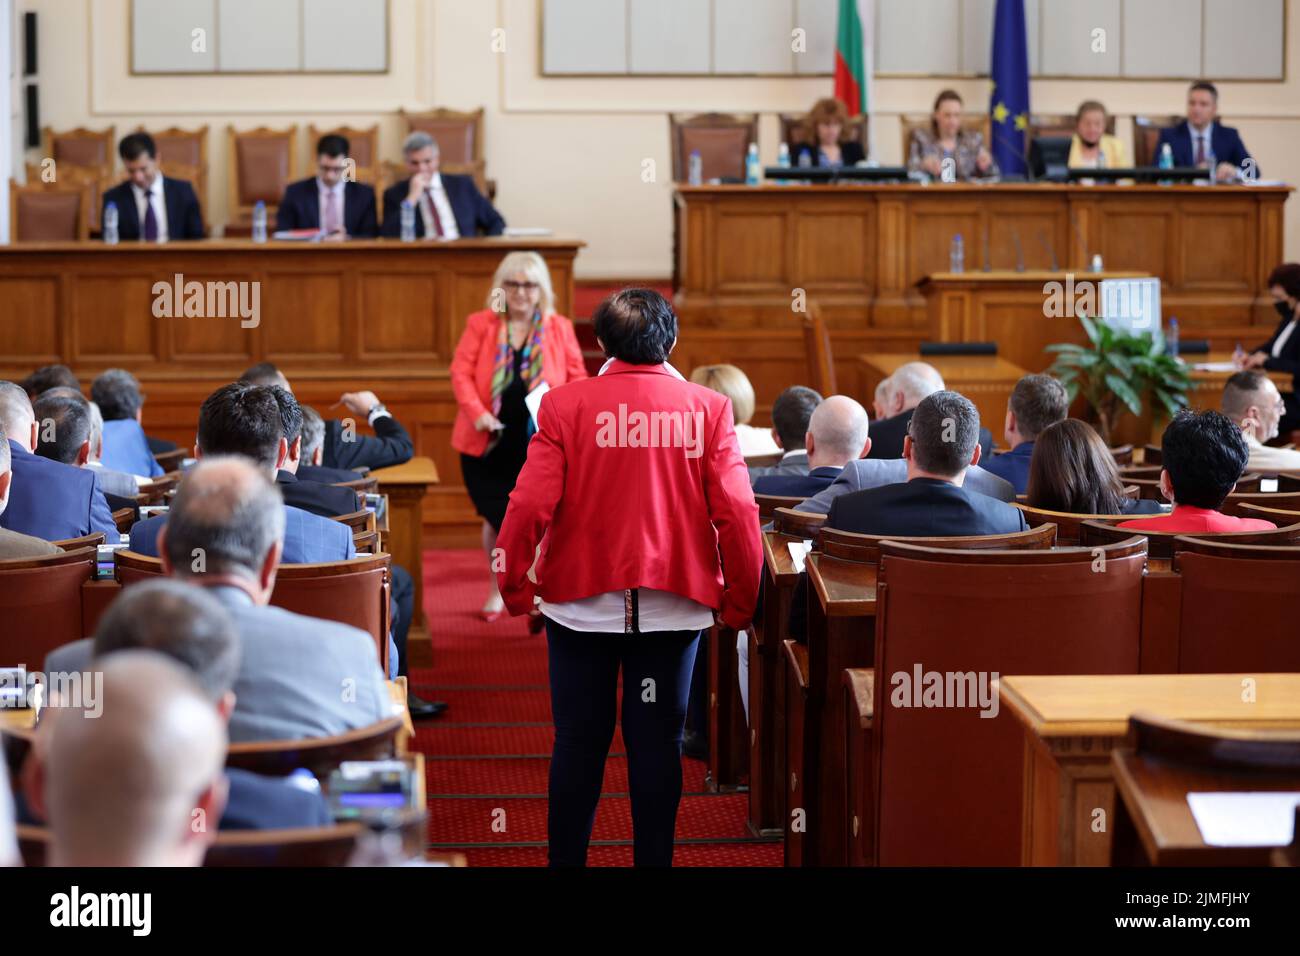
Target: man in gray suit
(875, 472)
(299, 676)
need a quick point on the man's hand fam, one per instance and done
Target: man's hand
(1225, 172)
(984, 161)
(360, 403)
(1256, 359)
(419, 183)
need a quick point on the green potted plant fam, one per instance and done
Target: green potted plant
(1119, 371)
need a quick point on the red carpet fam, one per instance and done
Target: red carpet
(488, 758)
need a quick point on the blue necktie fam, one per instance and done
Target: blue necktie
(150, 220)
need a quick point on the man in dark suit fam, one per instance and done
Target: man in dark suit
(188, 625)
(446, 206)
(837, 434)
(320, 499)
(791, 413)
(343, 448)
(331, 201)
(1199, 138)
(313, 453)
(149, 205)
(1037, 402)
(47, 499)
(940, 446)
(907, 386)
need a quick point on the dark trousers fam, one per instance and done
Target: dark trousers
(584, 697)
(403, 610)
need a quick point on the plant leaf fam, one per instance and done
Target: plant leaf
(1125, 393)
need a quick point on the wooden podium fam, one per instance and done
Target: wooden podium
(406, 485)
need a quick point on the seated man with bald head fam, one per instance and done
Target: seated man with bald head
(1255, 405)
(837, 435)
(907, 386)
(298, 676)
(136, 783)
(190, 626)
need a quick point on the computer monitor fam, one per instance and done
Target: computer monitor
(1049, 158)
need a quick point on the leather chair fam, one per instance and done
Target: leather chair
(1238, 605)
(86, 148)
(76, 544)
(49, 212)
(950, 782)
(1281, 500)
(721, 139)
(1146, 133)
(460, 143)
(261, 164)
(40, 604)
(767, 504)
(1067, 525)
(866, 548)
(320, 755)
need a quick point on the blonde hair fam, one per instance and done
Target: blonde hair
(534, 267)
(732, 382)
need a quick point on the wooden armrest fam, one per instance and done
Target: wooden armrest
(861, 683)
(796, 655)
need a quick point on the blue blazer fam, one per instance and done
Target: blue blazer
(271, 803)
(923, 507)
(54, 501)
(803, 486)
(184, 216)
(300, 209)
(1013, 466)
(474, 214)
(1224, 141)
(308, 538)
(126, 449)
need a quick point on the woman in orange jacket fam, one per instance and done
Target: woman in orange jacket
(517, 345)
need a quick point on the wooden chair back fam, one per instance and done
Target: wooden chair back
(1146, 133)
(767, 504)
(86, 148)
(355, 592)
(261, 163)
(49, 212)
(459, 134)
(1067, 525)
(1236, 503)
(364, 150)
(170, 461)
(1164, 544)
(722, 140)
(40, 604)
(320, 755)
(358, 521)
(821, 357)
(183, 154)
(1123, 455)
(949, 781)
(1215, 748)
(850, 546)
(1152, 455)
(801, 524)
(76, 544)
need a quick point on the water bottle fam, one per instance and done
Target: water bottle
(259, 222)
(957, 257)
(805, 159)
(783, 158)
(753, 168)
(696, 175)
(1211, 165)
(408, 221)
(1166, 157)
(111, 236)
(1173, 337)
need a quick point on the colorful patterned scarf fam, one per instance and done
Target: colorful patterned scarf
(531, 367)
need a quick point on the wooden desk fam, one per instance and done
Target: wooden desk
(1072, 723)
(397, 690)
(17, 721)
(407, 486)
(1207, 386)
(841, 634)
(336, 317)
(1009, 308)
(860, 252)
(987, 380)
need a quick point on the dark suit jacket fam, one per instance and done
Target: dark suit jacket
(887, 436)
(1013, 466)
(54, 501)
(850, 153)
(923, 507)
(184, 216)
(327, 476)
(474, 214)
(805, 486)
(271, 803)
(1225, 142)
(300, 209)
(1289, 360)
(324, 500)
(392, 446)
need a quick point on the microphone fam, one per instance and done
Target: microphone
(1051, 253)
(1078, 234)
(988, 255)
(1020, 250)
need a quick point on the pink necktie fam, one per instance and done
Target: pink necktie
(331, 212)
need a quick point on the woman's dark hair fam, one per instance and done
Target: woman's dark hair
(637, 326)
(1073, 471)
(1287, 275)
(1205, 455)
(944, 97)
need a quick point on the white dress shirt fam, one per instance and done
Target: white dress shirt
(1268, 460)
(155, 195)
(636, 610)
(438, 192)
(339, 190)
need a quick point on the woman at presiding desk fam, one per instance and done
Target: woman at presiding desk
(946, 140)
(1091, 146)
(1281, 353)
(824, 129)
(509, 350)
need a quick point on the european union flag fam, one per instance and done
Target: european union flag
(1009, 103)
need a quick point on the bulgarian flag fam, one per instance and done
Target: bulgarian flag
(853, 55)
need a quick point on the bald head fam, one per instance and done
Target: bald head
(912, 383)
(142, 783)
(16, 415)
(227, 519)
(837, 433)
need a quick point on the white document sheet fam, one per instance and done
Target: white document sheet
(1245, 819)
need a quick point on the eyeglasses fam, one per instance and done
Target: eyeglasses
(521, 286)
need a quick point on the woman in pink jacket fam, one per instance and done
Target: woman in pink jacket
(517, 345)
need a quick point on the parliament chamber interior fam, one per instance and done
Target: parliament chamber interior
(787, 435)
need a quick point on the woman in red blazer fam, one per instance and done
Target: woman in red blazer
(636, 492)
(514, 347)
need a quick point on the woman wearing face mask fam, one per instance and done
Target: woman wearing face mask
(1281, 353)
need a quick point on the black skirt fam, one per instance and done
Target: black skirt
(490, 479)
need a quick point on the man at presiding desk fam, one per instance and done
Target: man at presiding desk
(446, 206)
